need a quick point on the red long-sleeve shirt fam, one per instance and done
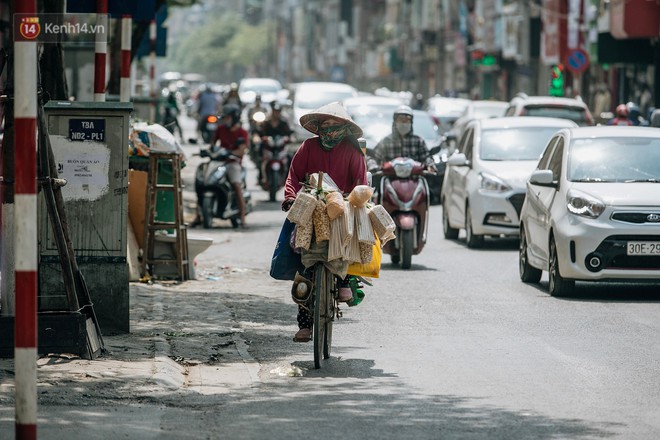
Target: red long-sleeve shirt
(344, 163)
(228, 137)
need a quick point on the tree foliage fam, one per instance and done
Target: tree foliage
(222, 45)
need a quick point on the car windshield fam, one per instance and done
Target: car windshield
(376, 126)
(372, 110)
(614, 160)
(262, 88)
(488, 111)
(521, 143)
(425, 127)
(448, 107)
(314, 98)
(575, 114)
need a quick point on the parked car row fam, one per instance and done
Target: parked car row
(584, 200)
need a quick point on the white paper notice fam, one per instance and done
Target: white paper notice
(84, 165)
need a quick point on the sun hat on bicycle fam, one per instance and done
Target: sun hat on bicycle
(312, 120)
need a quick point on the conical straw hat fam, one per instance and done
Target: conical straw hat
(312, 120)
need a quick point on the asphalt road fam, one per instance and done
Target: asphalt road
(454, 348)
(457, 347)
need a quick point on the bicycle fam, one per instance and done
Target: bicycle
(325, 307)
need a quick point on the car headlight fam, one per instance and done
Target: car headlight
(403, 169)
(583, 204)
(488, 182)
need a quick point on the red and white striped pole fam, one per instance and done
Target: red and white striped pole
(100, 50)
(152, 70)
(25, 234)
(125, 79)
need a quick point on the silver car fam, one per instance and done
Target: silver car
(592, 208)
(485, 178)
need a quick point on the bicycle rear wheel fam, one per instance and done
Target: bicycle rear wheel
(330, 313)
(323, 313)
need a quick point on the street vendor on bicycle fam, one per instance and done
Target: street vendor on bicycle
(334, 151)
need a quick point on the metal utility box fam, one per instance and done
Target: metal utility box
(90, 146)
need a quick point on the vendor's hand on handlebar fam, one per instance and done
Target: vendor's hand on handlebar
(286, 204)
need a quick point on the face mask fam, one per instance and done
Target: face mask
(403, 127)
(331, 136)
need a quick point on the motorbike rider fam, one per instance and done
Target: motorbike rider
(275, 125)
(232, 97)
(635, 115)
(255, 140)
(655, 118)
(257, 106)
(621, 117)
(171, 112)
(402, 142)
(207, 105)
(335, 151)
(233, 137)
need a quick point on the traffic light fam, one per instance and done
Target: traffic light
(557, 80)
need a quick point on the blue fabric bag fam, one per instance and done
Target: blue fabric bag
(285, 262)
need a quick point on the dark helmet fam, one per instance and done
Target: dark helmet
(275, 106)
(403, 110)
(621, 111)
(233, 111)
(633, 110)
(257, 97)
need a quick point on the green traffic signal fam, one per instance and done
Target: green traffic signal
(557, 81)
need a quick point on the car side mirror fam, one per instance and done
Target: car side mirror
(457, 159)
(542, 178)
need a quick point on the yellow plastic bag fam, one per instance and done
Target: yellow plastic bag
(371, 269)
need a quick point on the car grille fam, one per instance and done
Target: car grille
(637, 217)
(517, 201)
(613, 249)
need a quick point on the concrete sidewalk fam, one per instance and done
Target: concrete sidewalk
(188, 342)
(183, 338)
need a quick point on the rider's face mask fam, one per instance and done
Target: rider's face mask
(403, 124)
(332, 135)
(403, 127)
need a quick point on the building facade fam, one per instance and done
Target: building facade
(485, 49)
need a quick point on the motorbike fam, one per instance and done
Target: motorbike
(207, 127)
(274, 152)
(219, 200)
(404, 193)
(256, 120)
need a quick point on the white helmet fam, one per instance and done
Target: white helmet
(403, 110)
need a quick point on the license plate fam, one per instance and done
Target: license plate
(275, 166)
(211, 127)
(643, 248)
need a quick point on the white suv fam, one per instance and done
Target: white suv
(549, 106)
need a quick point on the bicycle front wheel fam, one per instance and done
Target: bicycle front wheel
(323, 311)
